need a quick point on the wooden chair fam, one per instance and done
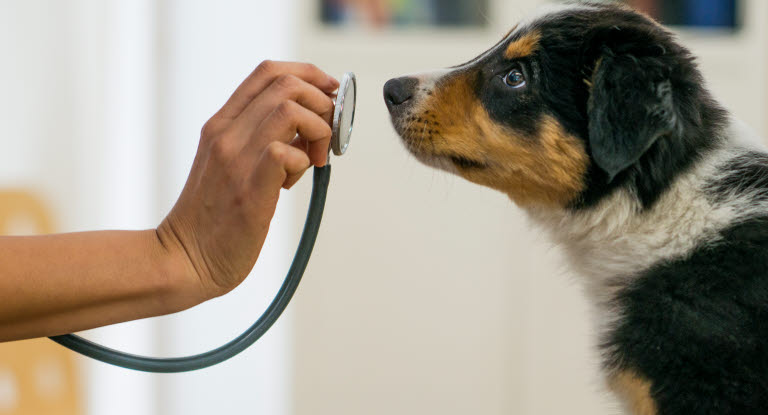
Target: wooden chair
(37, 377)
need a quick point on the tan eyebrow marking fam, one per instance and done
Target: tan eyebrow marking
(525, 46)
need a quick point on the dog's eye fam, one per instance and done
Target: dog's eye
(515, 78)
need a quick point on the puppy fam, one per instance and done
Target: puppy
(597, 122)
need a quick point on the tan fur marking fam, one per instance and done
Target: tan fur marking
(635, 391)
(546, 170)
(525, 46)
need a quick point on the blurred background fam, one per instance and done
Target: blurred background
(425, 294)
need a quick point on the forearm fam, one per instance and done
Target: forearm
(58, 284)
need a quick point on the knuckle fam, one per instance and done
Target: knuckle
(209, 130)
(286, 109)
(275, 151)
(266, 67)
(288, 82)
(305, 161)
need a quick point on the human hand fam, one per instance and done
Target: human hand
(274, 127)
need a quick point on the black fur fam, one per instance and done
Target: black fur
(647, 84)
(647, 118)
(747, 173)
(697, 328)
(625, 122)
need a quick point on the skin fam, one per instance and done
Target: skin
(273, 128)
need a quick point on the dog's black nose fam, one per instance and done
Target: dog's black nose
(398, 91)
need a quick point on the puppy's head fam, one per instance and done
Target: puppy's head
(569, 106)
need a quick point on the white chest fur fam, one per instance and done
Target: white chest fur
(616, 240)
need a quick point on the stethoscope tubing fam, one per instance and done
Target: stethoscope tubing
(321, 179)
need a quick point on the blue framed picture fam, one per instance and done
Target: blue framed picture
(380, 13)
(692, 13)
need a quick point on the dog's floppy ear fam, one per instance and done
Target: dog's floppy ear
(631, 102)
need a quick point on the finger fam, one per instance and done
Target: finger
(277, 164)
(285, 87)
(265, 74)
(294, 178)
(301, 144)
(285, 122)
(317, 151)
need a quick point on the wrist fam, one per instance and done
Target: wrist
(182, 288)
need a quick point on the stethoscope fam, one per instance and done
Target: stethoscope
(343, 119)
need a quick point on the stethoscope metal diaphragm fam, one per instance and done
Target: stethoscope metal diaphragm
(344, 114)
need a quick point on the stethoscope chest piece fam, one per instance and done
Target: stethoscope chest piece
(344, 114)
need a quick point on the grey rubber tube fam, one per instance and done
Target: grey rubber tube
(321, 178)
